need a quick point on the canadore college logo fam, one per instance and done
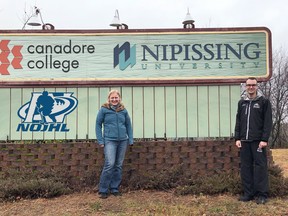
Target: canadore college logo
(124, 56)
(46, 111)
(5, 58)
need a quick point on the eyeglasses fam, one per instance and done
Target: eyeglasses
(251, 85)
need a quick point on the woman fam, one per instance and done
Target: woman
(115, 137)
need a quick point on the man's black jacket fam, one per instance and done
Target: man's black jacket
(253, 119)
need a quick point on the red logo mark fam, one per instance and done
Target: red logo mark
(4, 54)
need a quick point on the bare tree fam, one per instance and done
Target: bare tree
(276, 89)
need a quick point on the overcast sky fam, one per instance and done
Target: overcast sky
(147, 14)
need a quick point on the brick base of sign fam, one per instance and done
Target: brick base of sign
(197, 157)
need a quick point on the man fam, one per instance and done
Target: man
(252, 131)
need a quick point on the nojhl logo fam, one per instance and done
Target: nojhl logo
(46, 111)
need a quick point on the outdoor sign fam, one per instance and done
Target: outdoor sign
(46, 111)
(129, 57)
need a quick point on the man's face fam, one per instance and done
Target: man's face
(251, 87)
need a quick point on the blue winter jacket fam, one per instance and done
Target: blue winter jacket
(116, 123)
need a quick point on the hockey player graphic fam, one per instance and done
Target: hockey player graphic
(45, 104)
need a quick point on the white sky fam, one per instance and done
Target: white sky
(147, 14)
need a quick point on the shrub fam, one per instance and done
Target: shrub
(28, 184)
(186, 183)
(157, 180)
(31, 184)
(33, 188)
(278, 183)
(210, 185)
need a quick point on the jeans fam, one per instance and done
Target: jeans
(254, 171)
(111, 175)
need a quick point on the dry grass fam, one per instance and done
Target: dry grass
(142, 203)
(280, 157)
(149, 203)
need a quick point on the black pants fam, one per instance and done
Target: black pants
(254, 171)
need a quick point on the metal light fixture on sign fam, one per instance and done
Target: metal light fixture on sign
(188, 22)
(116, 20)
(36, 19)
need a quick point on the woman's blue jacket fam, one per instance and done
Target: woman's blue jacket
(113, 124)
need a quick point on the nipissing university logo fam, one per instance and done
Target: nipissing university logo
(124, 56)
(46, 111)
(4, 57)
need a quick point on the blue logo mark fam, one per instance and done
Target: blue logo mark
(124, 56)
(46, 111)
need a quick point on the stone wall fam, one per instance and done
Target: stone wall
(199, 157)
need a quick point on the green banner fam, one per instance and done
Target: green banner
(127, 56)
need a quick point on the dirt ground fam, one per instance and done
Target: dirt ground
(148, 203)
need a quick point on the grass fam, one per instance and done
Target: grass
(147, 202)
(280, 157)
(143, 203)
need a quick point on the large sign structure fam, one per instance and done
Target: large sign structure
(134, 57)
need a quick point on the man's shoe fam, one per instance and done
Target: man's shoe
(261, 200)
(116, 194)
(245, 198)
(103, 195)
